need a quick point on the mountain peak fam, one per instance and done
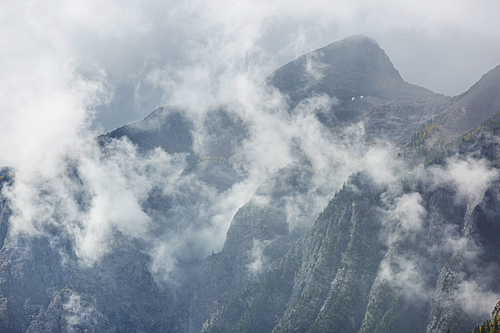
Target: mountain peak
(357, 39)
(359, 53)
(354, 66)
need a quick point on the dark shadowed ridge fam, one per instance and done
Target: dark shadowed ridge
(168, 129)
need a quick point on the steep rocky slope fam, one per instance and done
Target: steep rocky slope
(369, 266)
(474, 112)
(391, 109)
(260, 232)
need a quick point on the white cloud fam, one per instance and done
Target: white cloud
(409, 211)
(470, 177)
(474, 298)
(76, 313)
(257, 258)
(404, 272)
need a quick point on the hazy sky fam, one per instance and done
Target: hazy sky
(443, 45)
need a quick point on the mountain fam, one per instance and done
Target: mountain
(303, 291)
(474, 107)
(303, 253)
(472, 113)
(360, 76)
(353, 67)
(349, 274)
(167, 129)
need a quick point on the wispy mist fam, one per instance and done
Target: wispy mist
(63, 61)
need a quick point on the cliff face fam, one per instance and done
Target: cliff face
(117, 294)
(260, 233)
(368, 266)
(44, 287)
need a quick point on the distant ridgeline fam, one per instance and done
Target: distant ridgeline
(218, 160)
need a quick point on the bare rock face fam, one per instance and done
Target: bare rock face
(258, 235)
(345, 275)
(496, 311)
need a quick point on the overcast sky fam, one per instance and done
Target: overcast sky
(137, 50)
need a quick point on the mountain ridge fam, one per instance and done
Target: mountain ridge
(359, 59)
(471, 113)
